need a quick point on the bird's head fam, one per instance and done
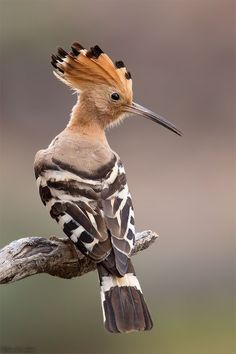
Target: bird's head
(105, 88)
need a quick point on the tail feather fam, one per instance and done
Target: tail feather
(123, 304)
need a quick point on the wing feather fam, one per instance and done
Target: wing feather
(96, 214)
(118, 213)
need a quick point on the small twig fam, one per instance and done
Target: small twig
(55, 256)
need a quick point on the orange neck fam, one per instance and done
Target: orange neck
(83, 123)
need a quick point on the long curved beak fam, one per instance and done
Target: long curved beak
(142, 111)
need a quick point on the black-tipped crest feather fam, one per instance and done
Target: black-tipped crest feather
(119, 64)
(77, 46)
(61, 52)
(75, 51)
(82, 69)
(128, 75)
(94, 52)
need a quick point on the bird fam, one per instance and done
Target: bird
(82, 181)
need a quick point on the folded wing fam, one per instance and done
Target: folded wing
(96, 214)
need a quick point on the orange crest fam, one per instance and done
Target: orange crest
(82, 69)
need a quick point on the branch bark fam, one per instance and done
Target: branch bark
(55, 256)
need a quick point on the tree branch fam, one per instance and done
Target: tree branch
(55, 256)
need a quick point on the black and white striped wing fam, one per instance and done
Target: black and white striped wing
(97, 215)
(74, 204)
(119, 216)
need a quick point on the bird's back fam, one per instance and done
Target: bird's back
(83, 184)
(88, 156)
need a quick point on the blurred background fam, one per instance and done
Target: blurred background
(181, 54)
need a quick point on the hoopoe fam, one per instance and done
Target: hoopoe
(82, 181)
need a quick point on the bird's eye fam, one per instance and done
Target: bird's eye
(115, 96)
